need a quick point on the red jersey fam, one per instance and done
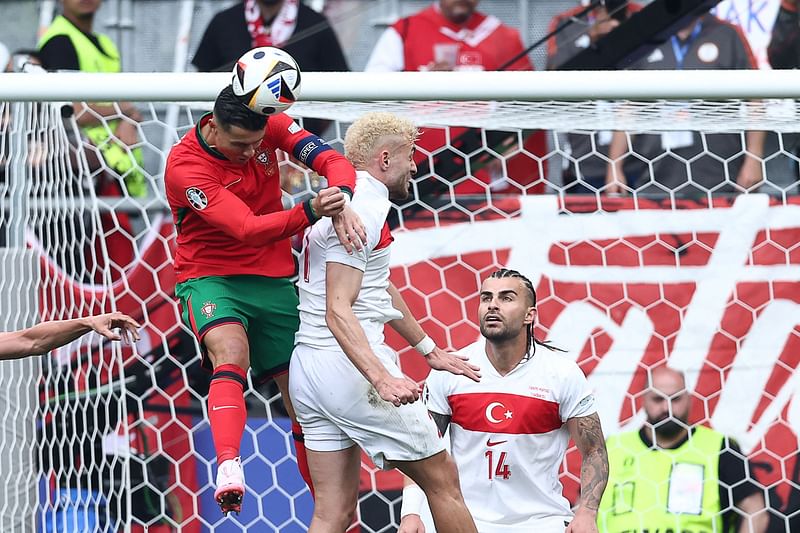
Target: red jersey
(484, 43)
(229, 218)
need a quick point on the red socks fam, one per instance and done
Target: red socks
(300, 452)
(226, 410)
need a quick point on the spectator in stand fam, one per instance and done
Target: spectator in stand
(695, 165)
(586, 163)
(671, 475)
(452, 35)
(287, 24)
(70, 43)
(784, 47)
(784, 53)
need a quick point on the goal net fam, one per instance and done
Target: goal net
(686, 259)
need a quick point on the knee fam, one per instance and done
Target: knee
(444, 481)
(338, 518)
(231, 352)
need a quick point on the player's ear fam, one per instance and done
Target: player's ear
(385, 160)
(530, 315)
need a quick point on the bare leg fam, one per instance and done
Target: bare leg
(282, 381)
(438, 477)
(336, 477)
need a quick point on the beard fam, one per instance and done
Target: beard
(400, 193)
(668, 426)
(501, 334)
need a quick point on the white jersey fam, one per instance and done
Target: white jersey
(373, 307)
(508, 436)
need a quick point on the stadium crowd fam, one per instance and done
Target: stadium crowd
(456, 35)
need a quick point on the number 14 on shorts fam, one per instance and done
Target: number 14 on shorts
(498, 465)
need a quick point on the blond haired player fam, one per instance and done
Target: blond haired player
(345, 384)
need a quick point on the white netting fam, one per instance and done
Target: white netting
(706, 281)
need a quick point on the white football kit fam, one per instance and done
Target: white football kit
(335, 404)
(508, 437)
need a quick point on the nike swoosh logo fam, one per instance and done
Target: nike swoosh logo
(489, 442)
(219, 407)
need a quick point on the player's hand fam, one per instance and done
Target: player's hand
(350, 230)
(397, 391)
(750, 174)
(455, 363)
(615, 179)
(106, 324)
(411, 523)
(329, 202)
(602, 27)
(127, 133)
(585, 521)
(440, 66)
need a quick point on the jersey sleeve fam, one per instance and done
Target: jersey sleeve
(59, 54)
(784, 46)
(336, 253)
(192, 187)
(577, 398)
(388, 54)
(312, 151)
(207, 57)
(743, 57)
(435, 393)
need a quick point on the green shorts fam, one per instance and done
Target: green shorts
(265, 307)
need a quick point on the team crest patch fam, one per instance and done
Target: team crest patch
(208, 309)
(197, 198)
(263, 158)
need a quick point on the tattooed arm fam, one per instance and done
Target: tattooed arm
(588, 437)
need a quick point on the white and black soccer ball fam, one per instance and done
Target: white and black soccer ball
(267, 80)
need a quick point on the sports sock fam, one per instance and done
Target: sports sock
(226, 410)
(300, 452)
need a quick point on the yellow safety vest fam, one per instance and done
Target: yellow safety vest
(662, 491)
(124, 161)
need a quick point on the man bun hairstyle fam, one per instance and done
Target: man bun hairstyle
(229, 110)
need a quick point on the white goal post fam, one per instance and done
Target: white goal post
(699, 271)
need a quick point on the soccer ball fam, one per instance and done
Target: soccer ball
(267, 80)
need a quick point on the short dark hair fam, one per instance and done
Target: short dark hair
(229, 110)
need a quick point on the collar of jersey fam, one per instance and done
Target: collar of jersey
(373, 182)
(202, 140)
(367, 183)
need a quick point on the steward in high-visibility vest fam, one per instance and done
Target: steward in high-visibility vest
(127, 162)
(671, 490)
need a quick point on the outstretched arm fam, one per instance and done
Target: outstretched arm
(408, 328)
(588, 437)
(342, 285)
(47, 336)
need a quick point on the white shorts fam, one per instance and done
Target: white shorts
(337, 408)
